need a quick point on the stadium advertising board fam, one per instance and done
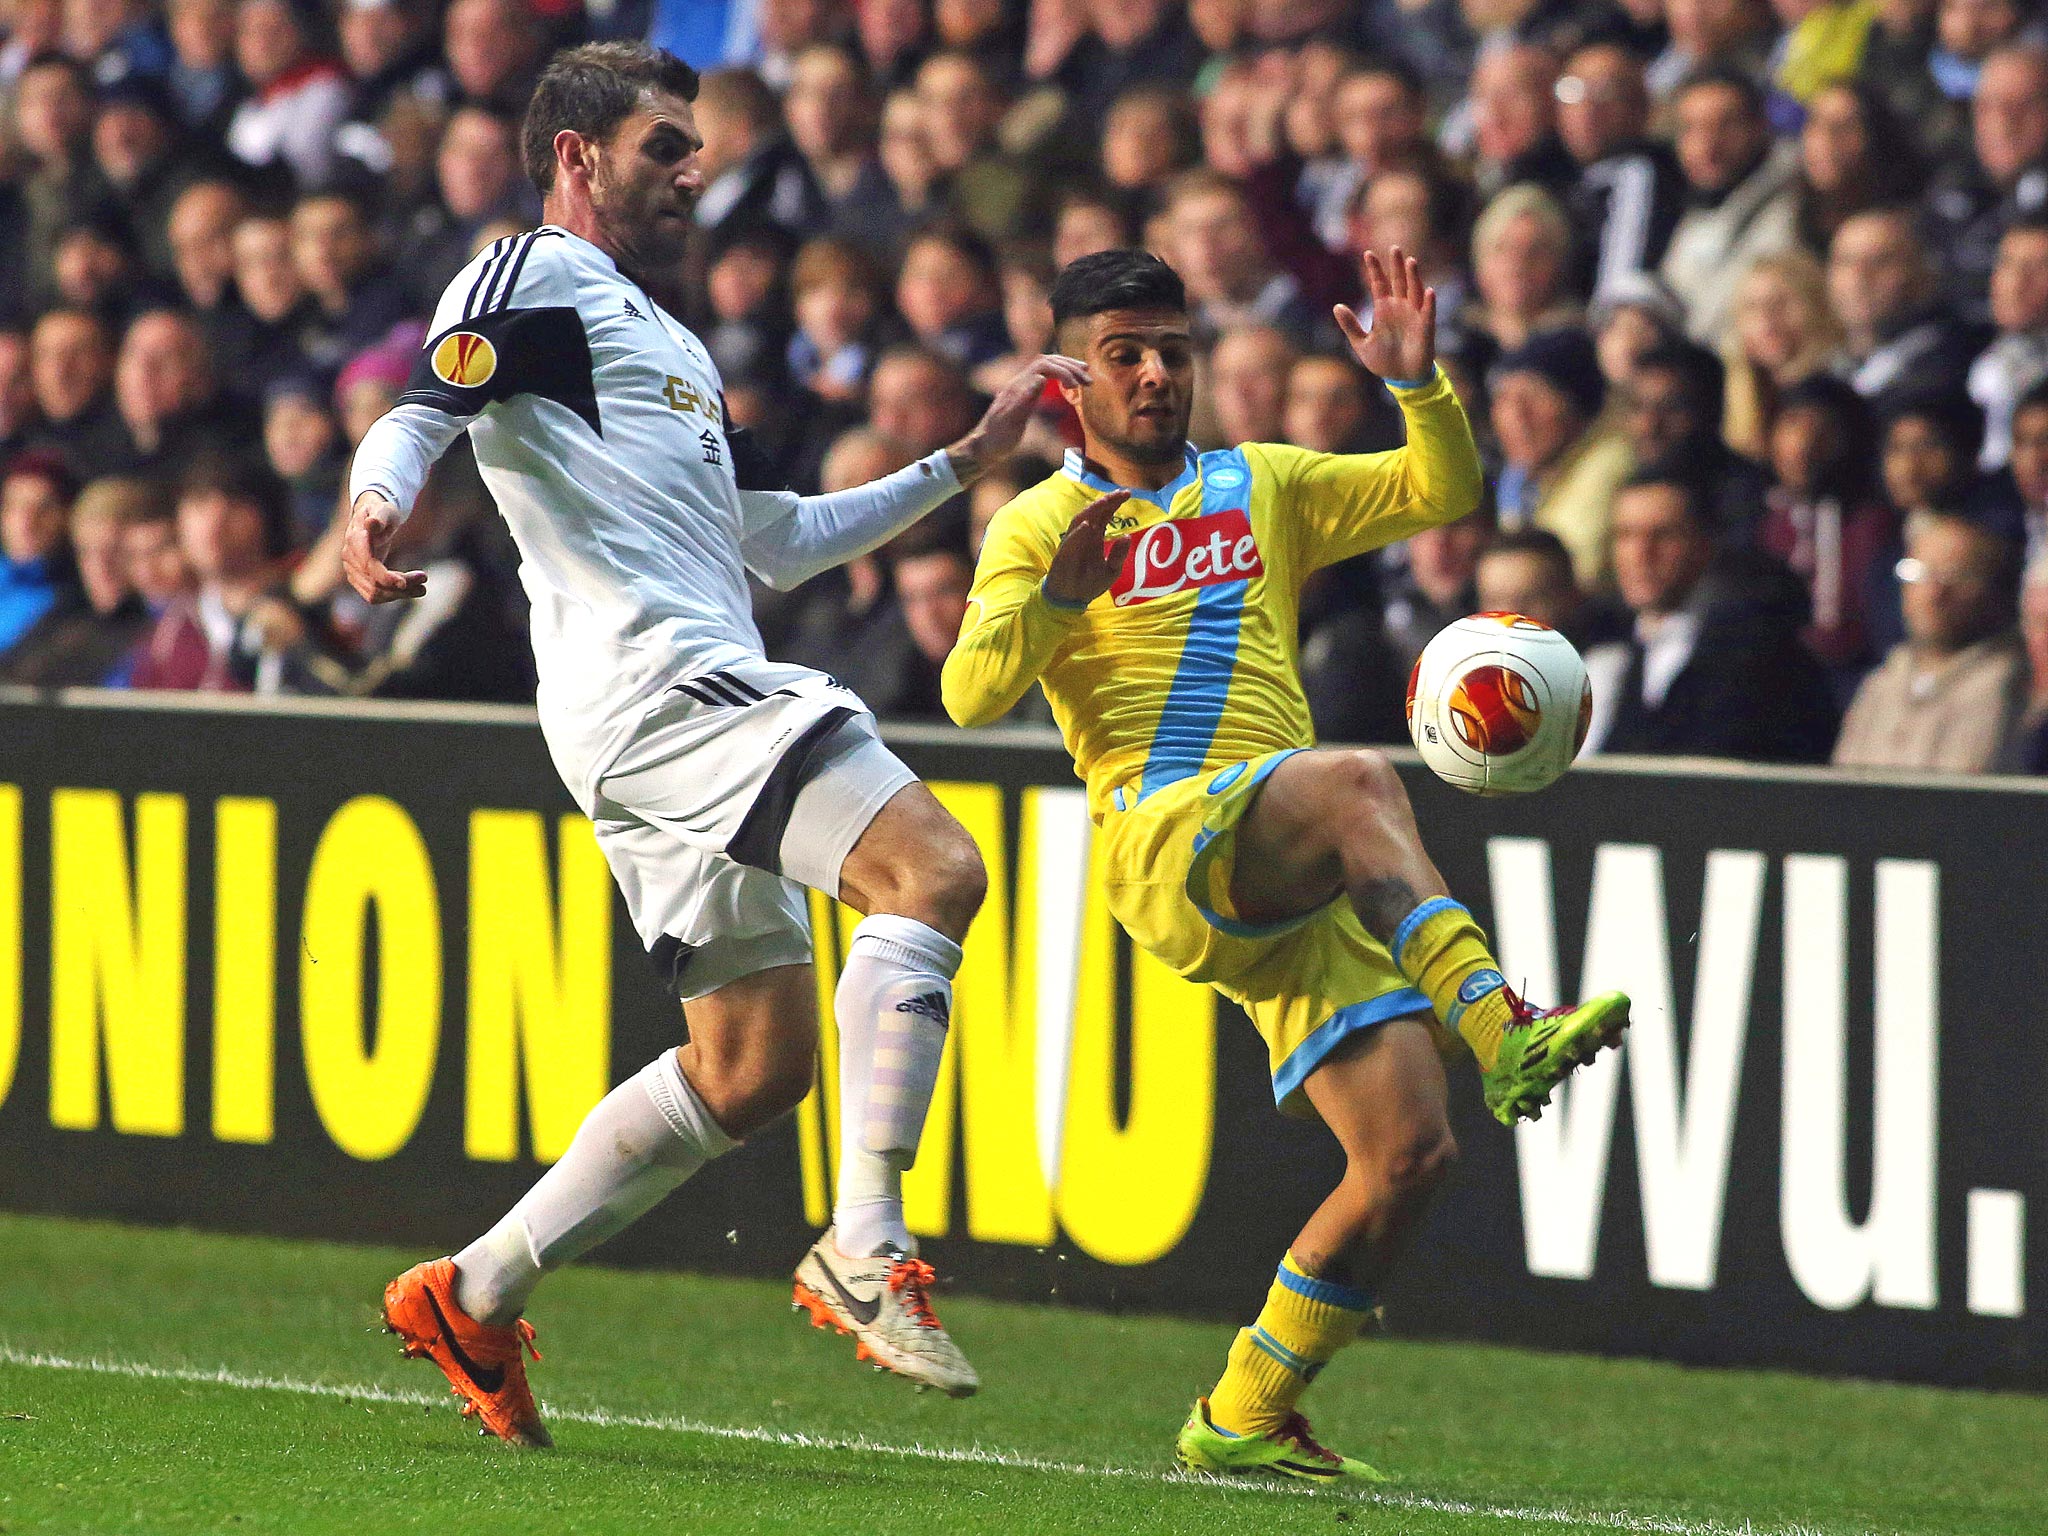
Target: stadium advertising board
(325, 974)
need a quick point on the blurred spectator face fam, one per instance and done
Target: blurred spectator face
(1805, 442)
(1138, 140)
(162, 370)
(1720, 138)
(1326, 405)
(1970, 29)
(961, 108)
(127, 140)
(1949, 585)
(297, 435)
(70, 358)
(202, 247)
(1027, 309)
(488, 43)
(52, 113)
(1513, 102)
(1378, 122)
(1227, 114)
(939, 287)
(1083, 228)
(90, 268)
(1310, 123)
(1602, 102)
(2019, 281)
(330, 246)
(362, 403)
(905, 149)
(1834, 145)
(374, 36)
(90, 25)
(268, 41)
(1705, 29)
(787, 25)
(1533, 420)
(889, 29)
(1442, 560)
(264, 275)
(2030, 454)
(931, 590)
(1395, 211)
(835, 311)
(1660, 550)
(154, 563)
(823, 104)
(1123, 23)
(33, 26)
(1248, 373)
(988, 496)
(1662, 414)
(857, 457)
(220, 535)
(1878, 275)
(477, 164)
(1530, 583)
(741, 280)
(1774, 321)
(32, 514)
(1628, 333)
(1222, 255)
(96, 547)
(1520, 272)
(2009, 116)
(203, 32)
(1218, 23)
(1922, 471)
(17, 393)
(919, 403)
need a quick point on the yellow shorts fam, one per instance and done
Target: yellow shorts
(1308, 984)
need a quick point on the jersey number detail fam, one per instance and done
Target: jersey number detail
(1188, 552)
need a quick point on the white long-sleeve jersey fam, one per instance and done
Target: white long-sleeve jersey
(598, 422)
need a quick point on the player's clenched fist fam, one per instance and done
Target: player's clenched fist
(372, 524)
(1087, 560)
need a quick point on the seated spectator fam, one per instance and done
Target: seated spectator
(1706, 671)
(836, 297)
(154, 564)
(752, 174)
(1128, 45)
(1883, 288)
(1929, 458)
(1671, 416)
(2002, 176)
(167, 398)
(931, 576)
(1560, 466)
(58, 181)
(1333, 406)
(946, 292)
(1085, 222)
(302, 443)
(1631, 316)
(745, 321)
(1232, 279)
(1521, 271)
(1826, 520)
(997, 488)
(356, 299)
(477, 178)
(1742, 194)
(119, 39)
(1966, 33)
(299, 98)
(141, 153)
(963, 104)
(17, 394)
(1424, 213)
(85, 641)
(918, 402)
(98, 267)
(831, 125)
(1781, 332)
(904, 152)
(2017, 358)
(2029, 470)
(1731, 36)
(1950, 696)
(1378, 119)
(1513, 100)
(494, 50)
(275, 297)
(1248, 375)
(71, 363)
(1853, 155)
(36, 571)
(1627, 196)
(202, 77)
(1148, 139)
(200, 231)
(1436, 585)
(1530, 572)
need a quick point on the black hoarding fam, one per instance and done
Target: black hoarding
(346, 974)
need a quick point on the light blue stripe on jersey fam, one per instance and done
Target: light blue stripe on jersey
(1208, 657)
(1162, 498)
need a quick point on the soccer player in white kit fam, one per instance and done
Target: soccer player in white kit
(720, 783)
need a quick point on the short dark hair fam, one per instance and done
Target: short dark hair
(1728, 78)
(591, 90)
(1540, 542)
(1106, 280)
(1699, 506)
(244, 477)
(1702, 375)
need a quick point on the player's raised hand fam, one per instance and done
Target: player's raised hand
(1088, 560)
(1002, 425)
(372, 524)
(1402, 341)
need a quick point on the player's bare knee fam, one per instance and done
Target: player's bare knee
(947, 884)
(1417, 1163)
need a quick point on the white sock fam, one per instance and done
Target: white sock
(644, 1138)
(894, 1003)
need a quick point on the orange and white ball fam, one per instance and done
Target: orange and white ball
(1498, 704)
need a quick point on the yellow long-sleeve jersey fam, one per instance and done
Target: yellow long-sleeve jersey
(1190, 660)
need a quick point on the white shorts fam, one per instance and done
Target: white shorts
(739, 789)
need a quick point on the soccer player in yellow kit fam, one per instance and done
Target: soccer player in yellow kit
(1154, 592)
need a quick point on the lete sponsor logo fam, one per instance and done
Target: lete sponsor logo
(1188, 552)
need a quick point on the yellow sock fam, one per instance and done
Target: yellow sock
(1441, 949)
(1304, 1322)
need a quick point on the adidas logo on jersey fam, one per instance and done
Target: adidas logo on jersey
(632, 313)
(931, 1005)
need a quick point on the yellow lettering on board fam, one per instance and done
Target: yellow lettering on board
(117, 962)
(540, 983)
(244, 969)
(10, 935)
(370, 1093)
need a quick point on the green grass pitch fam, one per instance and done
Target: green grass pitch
(164, 1382)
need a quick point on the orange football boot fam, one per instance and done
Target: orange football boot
(482, 1362)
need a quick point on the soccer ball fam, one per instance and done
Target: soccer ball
(1498, 704)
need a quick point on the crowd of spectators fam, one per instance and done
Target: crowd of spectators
(1747, 299)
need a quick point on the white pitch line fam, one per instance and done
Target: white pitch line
(973, 1455)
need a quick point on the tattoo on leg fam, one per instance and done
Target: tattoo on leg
(1382, 904)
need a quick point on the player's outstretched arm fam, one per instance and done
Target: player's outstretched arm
(389, 469)
(372, 524)
(1024, 604)
(1001, 428)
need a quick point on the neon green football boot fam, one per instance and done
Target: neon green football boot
(1289, 1451)
(1541, 1047)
